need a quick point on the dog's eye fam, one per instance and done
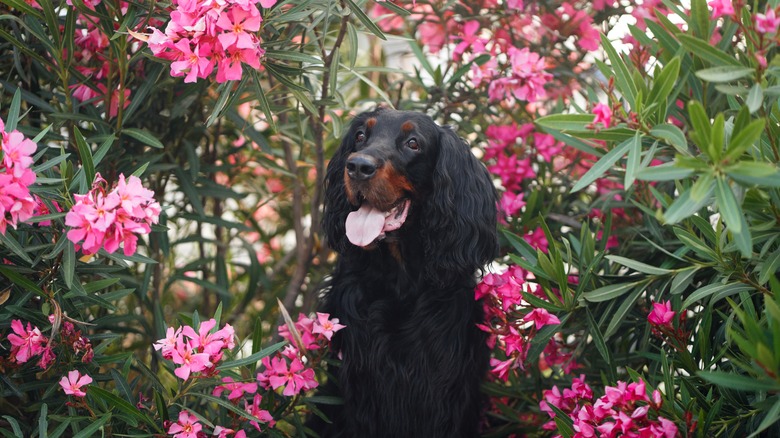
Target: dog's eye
(412, 144)
(360, 137)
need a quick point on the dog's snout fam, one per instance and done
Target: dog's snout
(362, 167)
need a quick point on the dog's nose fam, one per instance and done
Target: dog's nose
(362, 167)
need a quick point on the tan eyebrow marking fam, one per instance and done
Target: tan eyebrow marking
(370, 123)
(407, 127)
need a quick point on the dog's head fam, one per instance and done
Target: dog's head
(392, 163)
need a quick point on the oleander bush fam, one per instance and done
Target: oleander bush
(161, 175)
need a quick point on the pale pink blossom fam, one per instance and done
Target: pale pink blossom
(187, 426)
(73, 382)
(188, 359)
(325, 326)
(294, 379)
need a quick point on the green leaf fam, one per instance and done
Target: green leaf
(144, 136)
(252, 359)
(43, 421)
(755, 98)
(85, 154)
(771, 417)
(367, 22)
(93, 427)
(289, 55)
(742, 140)
(707, 52)
(624, 79)
(685, 205)
(730, 210)
(12, 119)
(121, 404)
(739, 382)
(638, 266)
(609, 292)
(11, 243)
(21, 281)
(725, 73)
(717, 290)
(755, 173)
(565, 122)
(14, 425)
(663, 84)
(633, 161)
(700, 123)
(601, 166)
(664, 172)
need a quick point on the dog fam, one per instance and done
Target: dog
(412, 215)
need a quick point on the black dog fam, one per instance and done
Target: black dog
(412, 214)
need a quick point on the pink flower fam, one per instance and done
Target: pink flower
(295, 379)
(501, 368)
(767, 23)
(325, 326)
(526, 79)
(603, 114)
(186, 427)
(511, 203)
(189, 361)
(236, 25)
(662, 314)
(73, 382)
(541, 317)
(168, 344)
(721, 8)
(17, 152)
(25, 343)
(237, 389)
(261, 414)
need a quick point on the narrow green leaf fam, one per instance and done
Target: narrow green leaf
(68, 263)
(144, 136)
(12, 119)
(682, 280)
(624, 79)
(252, 359)
(728, 207)
(663, 84)
(755, 173)
(633, 161)
(739, 382)
(771, 417)
(743, 139)
(121, 404)
(9, 242)
(685, 205)
(723, 73)
(609, 292)
(565, 122)
(601, 166)
(769, 267)
(85, 154)
(715, 290)
(18, 280)
(43, 421)
(638, 266)
(93, 427)
(664, 172)
(707, 52)
(367, 22)
(755, 98)
(700, 123)
(14, 425)
(620, 314)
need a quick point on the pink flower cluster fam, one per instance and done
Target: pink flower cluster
(511, 326)
(287, 370)
(204, 34)
(73, 382)
(624, 411)
(16, 202)
(196, 352)
(525, 81)
(107, 218)
(662, 315)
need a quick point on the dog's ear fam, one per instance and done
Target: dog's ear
(460, 216)
(337, 207)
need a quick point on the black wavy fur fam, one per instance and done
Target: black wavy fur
(412, 355)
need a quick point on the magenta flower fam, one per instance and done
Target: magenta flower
(261, 414)
(25, 342)
(17, 152)
(767, 23)
(541, 317)
(237, 389)
(186, 427)
(189, 361)
(511, 203)
(73, 382)
(721, 8)
(603, 114)
(325, 326)
(295, 379)
(662, 314)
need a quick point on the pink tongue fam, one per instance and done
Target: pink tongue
(365, 225)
